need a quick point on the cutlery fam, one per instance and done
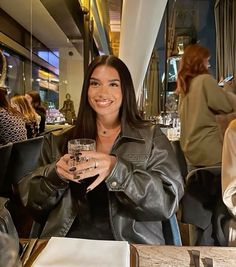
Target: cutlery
(208, 262)
(195, 258)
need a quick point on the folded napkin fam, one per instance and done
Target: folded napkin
(75, 252)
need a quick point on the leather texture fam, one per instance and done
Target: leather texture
(5, 153)
(24, 156)
(6, 222)
(144, 187)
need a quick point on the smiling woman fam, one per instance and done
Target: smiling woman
(126, 188)
(104, 93)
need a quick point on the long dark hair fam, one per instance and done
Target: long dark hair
(86, 119)
(36, 101)
(192, 64)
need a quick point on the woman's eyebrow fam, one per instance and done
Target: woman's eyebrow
(114, 80)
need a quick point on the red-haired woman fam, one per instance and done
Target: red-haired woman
(200, 100)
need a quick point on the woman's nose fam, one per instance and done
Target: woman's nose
(103, 89)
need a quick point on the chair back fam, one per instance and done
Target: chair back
(5, 154)
(203, 190)
(24, 158)
(171, 231)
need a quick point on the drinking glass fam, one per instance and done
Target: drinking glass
(75, 146)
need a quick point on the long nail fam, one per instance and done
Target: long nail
(72, 169)
(88, 190)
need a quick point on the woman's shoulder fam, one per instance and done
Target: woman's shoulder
(151, 129)
(207, 82)
(205, 77)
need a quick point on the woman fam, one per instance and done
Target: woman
(12, 125)
(34, 99)
(228, 179)
(200, 100)
(127, 187)
(28, 113)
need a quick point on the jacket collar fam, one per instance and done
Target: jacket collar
(130, 132)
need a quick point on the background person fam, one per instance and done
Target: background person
(34, 98)
(126, 188)
(200, 100)
(31, 118)
(12, 125)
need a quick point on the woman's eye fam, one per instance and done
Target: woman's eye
(94, 83)
(114, 84)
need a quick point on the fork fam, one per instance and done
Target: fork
(208, 262)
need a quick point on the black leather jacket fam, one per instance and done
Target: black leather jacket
(144, 187)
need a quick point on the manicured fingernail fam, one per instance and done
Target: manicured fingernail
(88, 190)
(72, 169)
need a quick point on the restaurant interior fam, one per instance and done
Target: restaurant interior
(48, 46)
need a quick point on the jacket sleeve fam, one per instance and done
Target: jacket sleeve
(229, 169)
(152, 193)
(217, 99)
(41, 190)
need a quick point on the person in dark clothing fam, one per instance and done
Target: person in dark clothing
(34, 98)
(126, 188)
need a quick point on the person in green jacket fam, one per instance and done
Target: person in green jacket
(200, 100)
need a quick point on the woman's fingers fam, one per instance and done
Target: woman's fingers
(64, 169)
(92, 163)
(99, 179)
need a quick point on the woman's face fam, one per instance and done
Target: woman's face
(207, 63)
(104, 92)
(29, 98)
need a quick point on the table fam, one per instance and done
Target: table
(168, 256)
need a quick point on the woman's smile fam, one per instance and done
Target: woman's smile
(104, 93)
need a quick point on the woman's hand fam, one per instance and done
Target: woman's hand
(94, 163)
(65, 169)
(97, 163)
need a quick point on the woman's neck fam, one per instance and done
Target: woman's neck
(108, 127)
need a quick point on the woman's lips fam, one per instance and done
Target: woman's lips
(103, 103)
